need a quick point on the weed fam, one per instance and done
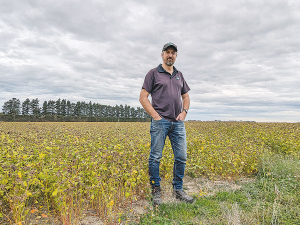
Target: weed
(273, 198)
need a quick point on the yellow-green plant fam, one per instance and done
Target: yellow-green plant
(70, 167)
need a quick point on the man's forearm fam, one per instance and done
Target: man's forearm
(185, 105)
(186, 101)
(147, 105)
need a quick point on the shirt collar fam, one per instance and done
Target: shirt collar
(162, 70)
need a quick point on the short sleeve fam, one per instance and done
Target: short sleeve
(148, 82)
(185, 87)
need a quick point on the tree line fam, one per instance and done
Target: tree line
(62, 108)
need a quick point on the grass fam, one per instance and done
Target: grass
(273, 198)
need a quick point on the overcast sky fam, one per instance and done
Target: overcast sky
(240, 58)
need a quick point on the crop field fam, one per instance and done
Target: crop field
(70, 167)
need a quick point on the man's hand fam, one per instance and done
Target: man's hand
(181, 116)
(157, 117)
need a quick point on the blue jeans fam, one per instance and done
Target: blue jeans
(159, 130)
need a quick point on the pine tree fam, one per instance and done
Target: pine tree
(69, 109)
(90, 109)
(122, 111)
(45, 108)
(77, 109)
(26, 107)
(51, 107)
(63, 107)
(66, 108)
(12, 106)
(58, 107)
(126, 111)
(34, 105)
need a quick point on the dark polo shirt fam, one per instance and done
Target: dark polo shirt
(166, 91)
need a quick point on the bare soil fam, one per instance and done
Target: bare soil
(193, 186)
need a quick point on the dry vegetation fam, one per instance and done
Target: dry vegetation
(71, 167)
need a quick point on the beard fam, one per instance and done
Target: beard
(169, 62)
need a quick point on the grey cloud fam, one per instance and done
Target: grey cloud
(240, 58)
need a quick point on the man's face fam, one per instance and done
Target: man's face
(169, 56)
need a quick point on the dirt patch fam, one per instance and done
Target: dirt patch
(90, 218)
(193, 186)
(207, 187)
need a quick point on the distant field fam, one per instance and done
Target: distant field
(69, 167)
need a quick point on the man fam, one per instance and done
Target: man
(170, 104)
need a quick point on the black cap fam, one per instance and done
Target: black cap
(169, 45)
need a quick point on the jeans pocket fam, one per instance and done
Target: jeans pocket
(157, 121)
(156, 125)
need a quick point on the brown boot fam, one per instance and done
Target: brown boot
(182, 196)
(156, 196)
